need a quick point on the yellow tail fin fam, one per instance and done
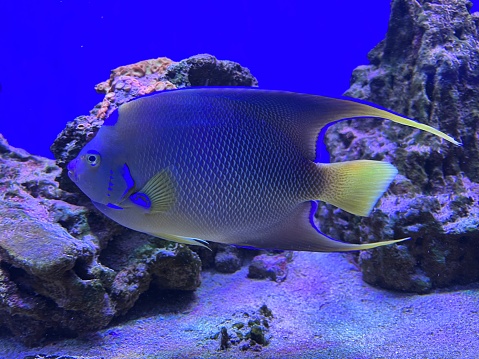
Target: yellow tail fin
(355, 186)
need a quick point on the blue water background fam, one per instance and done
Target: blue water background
(54, 52)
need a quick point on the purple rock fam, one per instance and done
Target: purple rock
(228, 259)
(425, 68)
(272, 266)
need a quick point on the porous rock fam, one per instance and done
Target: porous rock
(40, 288)
(206, 70)
(228, 259)
(426, 68)
(273, 266)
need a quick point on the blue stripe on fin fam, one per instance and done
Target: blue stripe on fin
(314, 208)
(114, 206)
(141, 199)
(130, 183)
(372, 104)
(181, 239)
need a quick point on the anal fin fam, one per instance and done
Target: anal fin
(299, 233)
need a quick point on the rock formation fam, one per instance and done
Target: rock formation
(426, 68)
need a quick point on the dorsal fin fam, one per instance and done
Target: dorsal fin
(303, 116)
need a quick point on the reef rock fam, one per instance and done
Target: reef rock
(270, 265)
(206, 70)
(64, 267)
(228, 259)
(427, 68)
(57, 274)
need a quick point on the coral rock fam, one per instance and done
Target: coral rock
(228, 259)
(426, 68)
(272, 266)
(206, 70)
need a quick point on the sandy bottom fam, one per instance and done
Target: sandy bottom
(322, 310)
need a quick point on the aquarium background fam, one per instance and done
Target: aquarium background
(55, 52)
(79, 285)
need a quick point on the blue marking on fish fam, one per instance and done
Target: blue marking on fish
(130, 183)
(110, 183)
(114, 206)
(314, 207)
(141, 199)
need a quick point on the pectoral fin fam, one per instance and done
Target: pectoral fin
(158, 195)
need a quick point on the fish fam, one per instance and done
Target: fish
(231, 165)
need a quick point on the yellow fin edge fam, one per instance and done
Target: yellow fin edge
(376, 112)
(378, 244)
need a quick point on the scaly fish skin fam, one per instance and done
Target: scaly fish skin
(229, 165)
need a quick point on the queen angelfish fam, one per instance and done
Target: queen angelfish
(230, 165)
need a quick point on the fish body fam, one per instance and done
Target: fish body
(229, 165)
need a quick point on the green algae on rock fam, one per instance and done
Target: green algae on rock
(247, 331)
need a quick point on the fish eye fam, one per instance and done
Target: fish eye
(93, 158)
